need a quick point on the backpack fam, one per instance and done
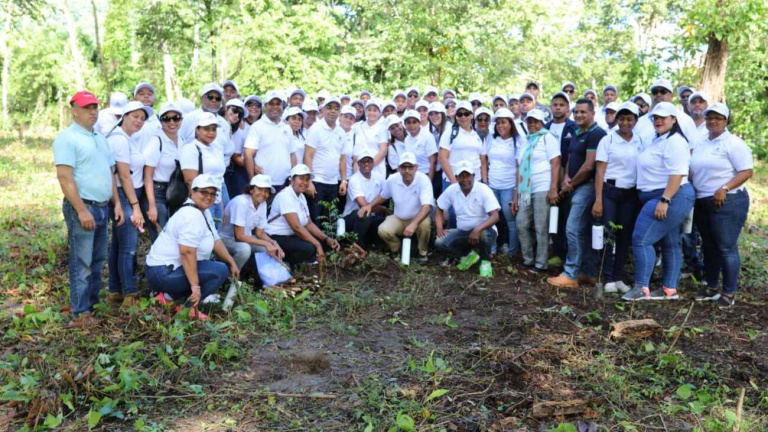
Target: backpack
(177, 191)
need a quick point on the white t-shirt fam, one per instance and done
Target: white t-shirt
(370, 137)
(241, 212)
(286, 201)
(151, 128)
(663, 157)
(187, 227)
(466, 146)
(620, 157)
(714, 163)
(644, 127)
(106, 121)
(556, 129)
(547, 148)
(359, 186)
(408, 199)
(274, 144)
(213, 161)
(165, 162)
(127, 149)
(471, 209)
(502, 156)
(349, 151)
(329, 145)
(237, 142)
(423, 145)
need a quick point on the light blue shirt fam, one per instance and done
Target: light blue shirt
(90, 158)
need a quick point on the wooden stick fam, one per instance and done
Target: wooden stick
(681, 328)
(739, 409)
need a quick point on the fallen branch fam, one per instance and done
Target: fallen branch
(685, 321)
(739, 409)
(635, 329)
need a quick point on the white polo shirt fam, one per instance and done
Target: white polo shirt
(213, 161)
(644, 127)
(371, 137)
(127, 150)
(349, 151)
(620, 157)
(547, 148)
(466, 146)
(408, 199)
(274, 144)
(241, 212)
(237, 141)
(422, 145)
(359, 186)
(329, 144)
(286, 201)
(223, 130)
(471, 209)
(151, 128)
(187, 227)
(502, 161)
(298, 146)
(715, 162)
(393, 153)
(164, 162)
(663, 157)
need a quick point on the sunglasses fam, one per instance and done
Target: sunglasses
(571, 91)
(237, 110)
(213, 98)
(211, 128)
(483, 120)
(253, 105)
(413, 96)
(463, 114)
(641, 105)
(660, 92)
(174, 119)
(476, 104)
(207, 194)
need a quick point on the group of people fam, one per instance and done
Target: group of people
(271, 174)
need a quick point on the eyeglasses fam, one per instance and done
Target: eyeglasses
(206, 194)
(174, 119)
(571, 91)
(413, 96)
(333, 107)
(476, 104)
(411, 121)
(483, 119)
(641, 104)
(253, 105)
(463, 114)
(213, 98)
(211, 128)
(662, 91)
(715, 118)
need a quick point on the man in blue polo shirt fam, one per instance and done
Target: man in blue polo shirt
(85, 170)
(580, 260)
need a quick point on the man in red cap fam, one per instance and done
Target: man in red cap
(85, 170)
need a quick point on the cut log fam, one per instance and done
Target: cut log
(564, 408)
(635, 329)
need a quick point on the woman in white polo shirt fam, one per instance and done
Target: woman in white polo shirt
(422, 107)
(201, 157)
(161, 154)
(179, 263)
(253, 105)
(438, 124)
(483, 122)
(289, 223)
(129, 161)
(538, 174)
(397, 133)
(370, 134)
(245, 219)
(502, 147)
(235, 177)
(294, 116)
(666, 198)
(421, 143)
(616, 193)
(720, 165)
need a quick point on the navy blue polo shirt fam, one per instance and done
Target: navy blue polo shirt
(582, 143)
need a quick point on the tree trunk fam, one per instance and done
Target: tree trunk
(76, 58)
(196, 51)
(169, 74)
(6, 58)
(715, 65)
(102, 66)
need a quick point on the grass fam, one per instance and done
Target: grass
(374, 348)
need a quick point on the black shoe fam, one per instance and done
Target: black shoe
(707, 294)
(724, 302)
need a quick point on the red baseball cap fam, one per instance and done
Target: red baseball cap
(84, 98)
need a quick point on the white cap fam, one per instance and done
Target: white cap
(211, 87)
(683, 88)
(325, 94)
(610, 87)
(399, 93)
(292, 111)
(301, 169)
(422, 104)
(262, 181)
(236, 103)
(698, 94)
(527, 95)
(412, 89)
(446, 91)
(513, 97)
(374, 102)
(465, 105)
(345, 96)
(437, 107)
(297, 91)
(536, 114)
(207, 119)
(330, 100)
(430, 89)
(274, 94)
(252, 98)
(141, 86)
(407, 157)
(364, 92)
(205, 181)
(309, 105)
(566, 84)
(348, 109)
(168, 107)
(663, 83)
(493, 101)
(230, 83)
(464, 166)
(186, 105)
(664, 109)
(561, 94)
(590, 91)
(629, 106)
(392, 120)
(118, 100)
(475, 97)
(450, 100)
(386, 104)
(135, 106)
(528, 84)
(644, 96)
(411, 114)
(503, 113)
(366, 153)
(613, 106)
(719, 108)
(483, 110)
(358, 101)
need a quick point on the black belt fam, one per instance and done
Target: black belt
(161, 183)
(95, 203)
(611, 182)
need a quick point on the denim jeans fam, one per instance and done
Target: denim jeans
(236, 178)
(217, 213)
(534, 219)
(580, 258)
(122, 252)
(620, 208)
(164, 279)
(325, 192)
(690, 250)
(720, 239)
(649, 230)
(87, 255)
(162, 210)
(367, 228)
(241, 251)
(504, 197)
(456, 243)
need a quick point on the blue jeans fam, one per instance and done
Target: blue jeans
(87, 255)
(720, 239)
(504, 197)
(649, 230)
(620, 207)
(122, 252)
(690, 252)
(162, 210)
(164, 279)
(236, 179)
(580, 258)
(456, 243)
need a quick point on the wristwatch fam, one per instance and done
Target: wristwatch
(725, 188)
(665, 200)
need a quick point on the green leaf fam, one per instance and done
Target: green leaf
(243, 315)
(405, 422)
(436, 394)
(52, 422)
(262, 307)
(66, 399)
(303, 295)
(93, 419)
(684, 392)
(369, 428)
(566, 427)
(731, 418)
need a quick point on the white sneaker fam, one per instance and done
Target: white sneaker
(622, 287)
(610, 287)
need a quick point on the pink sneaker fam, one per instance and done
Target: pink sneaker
(194, 313)
(162, 300)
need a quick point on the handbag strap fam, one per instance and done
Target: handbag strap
(204, 218)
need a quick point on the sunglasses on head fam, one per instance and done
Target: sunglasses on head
(660, 92)
(463, 114)
(174, 119)
(213, 98)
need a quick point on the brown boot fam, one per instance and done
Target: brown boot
(83, 321)
(563, 281)
(114, 298)
(130, 300)
(586, 280)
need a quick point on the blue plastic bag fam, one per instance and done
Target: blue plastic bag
(271, 271)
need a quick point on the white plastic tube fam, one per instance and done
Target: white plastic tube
(341, 227)
(554, 215)
(597, 237)
(405, 258)
(688, 223)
